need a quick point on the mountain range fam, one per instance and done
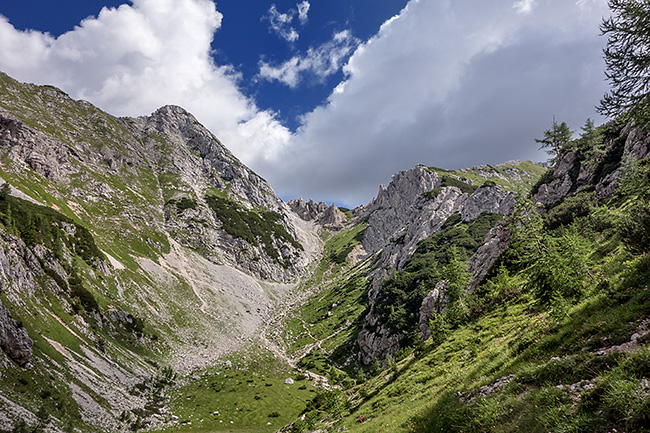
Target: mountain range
(150, 280)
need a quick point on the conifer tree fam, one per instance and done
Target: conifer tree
(627, 58)
(555, 139)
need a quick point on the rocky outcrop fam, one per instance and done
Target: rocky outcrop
(379, 343)
(603, 171)
(329, 217)
(396, 206)
(19, 269)
(434, 303)
(491, 199)
(32, 149)
(401, 217)
(201, 164)
(14, 340)
(496, 241)
(562, 182)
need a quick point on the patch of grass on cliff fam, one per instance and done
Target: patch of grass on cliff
(255, 227)
(512, 177)
(333, 317)
(36, 224)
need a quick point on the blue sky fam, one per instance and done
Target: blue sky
(327, 99)
(244, 38)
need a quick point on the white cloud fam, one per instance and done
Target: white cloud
(450, 83)
(281, 23)
(303, 10)
(319, 62)
(524, 6)
(134, 59)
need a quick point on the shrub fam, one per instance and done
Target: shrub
(185, 203)
(635, 228)
(570, 209)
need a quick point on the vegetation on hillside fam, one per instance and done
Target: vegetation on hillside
(555, 339)
(36, 224)
(440, 257)
(255, 227)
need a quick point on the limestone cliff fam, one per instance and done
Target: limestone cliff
(603, 171)
(415, 206)
(329, 217)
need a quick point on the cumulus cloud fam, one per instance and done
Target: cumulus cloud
(133, 59)
(282, 23)
(449, 84)
(319, 62)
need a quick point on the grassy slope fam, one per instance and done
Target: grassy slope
(512, 176)
(437, 388)
(515, 364)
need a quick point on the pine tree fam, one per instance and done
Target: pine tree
(556, 139)
(591, 139)
(5, 190)
(627, 59)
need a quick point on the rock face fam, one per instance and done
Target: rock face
(202, 163)
(496, 241)
(488, 199)
(329, 217)
(433, 303)
(14, 340)
(604, 172)
(397, 206)
(399, 218)
(136, 170)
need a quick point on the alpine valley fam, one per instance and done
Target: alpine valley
(149, 281)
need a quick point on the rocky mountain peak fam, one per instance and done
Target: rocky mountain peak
(330, 217)
(414, 207)
(405, 188)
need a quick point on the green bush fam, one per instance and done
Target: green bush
(635, 228)
(570, 209)
(185, 203)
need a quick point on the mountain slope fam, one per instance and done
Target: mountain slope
(141, 244)
(554, 337)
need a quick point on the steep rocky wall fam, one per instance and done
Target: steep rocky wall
(398, 219)
(14, 340)
(329, 217)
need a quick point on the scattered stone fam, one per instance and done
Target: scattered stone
(288, 381)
